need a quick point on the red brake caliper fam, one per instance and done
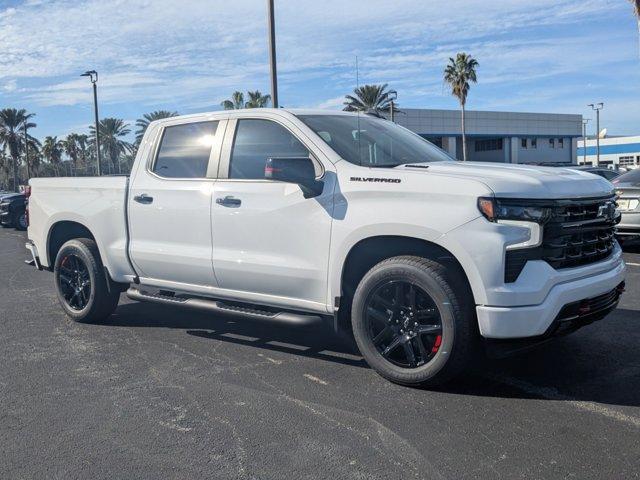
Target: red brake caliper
(436, 345)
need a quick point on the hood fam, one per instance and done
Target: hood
(10, 196)
(523, 181)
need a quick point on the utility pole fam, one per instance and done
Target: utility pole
(584, 139)
(597, 107)
(272, 55)
(93, 76)
(26, 151)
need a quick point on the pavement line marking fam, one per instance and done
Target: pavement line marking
(237, 336)
(292, 346)
(633, 264)
(346, 356)
(553, 394)
(315, 379)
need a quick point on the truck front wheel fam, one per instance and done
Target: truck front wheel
(81, 283)
(410, 324)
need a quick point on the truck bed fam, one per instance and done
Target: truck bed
(97, 203)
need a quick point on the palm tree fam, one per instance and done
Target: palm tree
(83, 149)
(52, 150)
(458, 73)
(257, 100)
(369, 98)
(5, 168)
(147, 118)
(112, 131)
(12, 123)
(33, 157)
(72, 149)
(236, 102)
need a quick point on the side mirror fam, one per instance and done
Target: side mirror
(298, 170)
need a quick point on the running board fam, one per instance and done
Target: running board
(219, 306)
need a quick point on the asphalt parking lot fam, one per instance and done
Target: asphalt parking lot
(167, 393)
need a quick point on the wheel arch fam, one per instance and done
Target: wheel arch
(367, 252)
(63, 231)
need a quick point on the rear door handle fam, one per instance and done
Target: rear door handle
(144, 199)
(229, 201)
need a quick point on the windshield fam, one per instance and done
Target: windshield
(373, 142)
(630, 179)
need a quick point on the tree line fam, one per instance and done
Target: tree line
(23, 156)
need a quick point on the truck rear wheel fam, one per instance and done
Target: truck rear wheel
(81, 283)
(409, 323)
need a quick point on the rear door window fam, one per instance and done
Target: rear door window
(185, 149)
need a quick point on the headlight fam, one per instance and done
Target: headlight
(495, 209)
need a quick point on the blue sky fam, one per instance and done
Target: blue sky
(188, 56)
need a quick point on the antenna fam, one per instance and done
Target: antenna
(358, 112)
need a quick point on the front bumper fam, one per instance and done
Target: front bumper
(539, 319)
(628, 229)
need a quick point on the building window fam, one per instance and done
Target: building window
(552, 143)
(523, 143)
(626, 161)
(534, 143)
(488, 145)
(561, 143)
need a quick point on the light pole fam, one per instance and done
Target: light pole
(393, 95)
(584, 139)
(93, 76)
(597, 107)
(26, 151)
(272, 54)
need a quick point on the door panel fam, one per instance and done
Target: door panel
(270, 239)
(275, 242)
(170, 216)
(171, 237)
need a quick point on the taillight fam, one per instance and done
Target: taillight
(27, 191)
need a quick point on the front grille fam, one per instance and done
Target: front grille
(575, 233)
(580, 233)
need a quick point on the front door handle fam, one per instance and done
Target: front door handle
(144, 199)
(229, 201)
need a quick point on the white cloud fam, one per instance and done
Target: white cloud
(332, 103)
(193, 54)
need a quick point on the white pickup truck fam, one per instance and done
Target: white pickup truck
(296, 216)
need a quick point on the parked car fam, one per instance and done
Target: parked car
(628, 190)
(298, 216)
(601, 171)
(13, 211)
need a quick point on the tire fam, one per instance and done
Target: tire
(20, 221)
(77, 262)
(432, 322)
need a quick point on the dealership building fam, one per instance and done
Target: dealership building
(615, 152)
(506, 137)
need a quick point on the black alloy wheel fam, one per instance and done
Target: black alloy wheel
(404, 323)
(74, 282)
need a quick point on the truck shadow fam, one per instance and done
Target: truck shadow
(317, 341)
(595, 364)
